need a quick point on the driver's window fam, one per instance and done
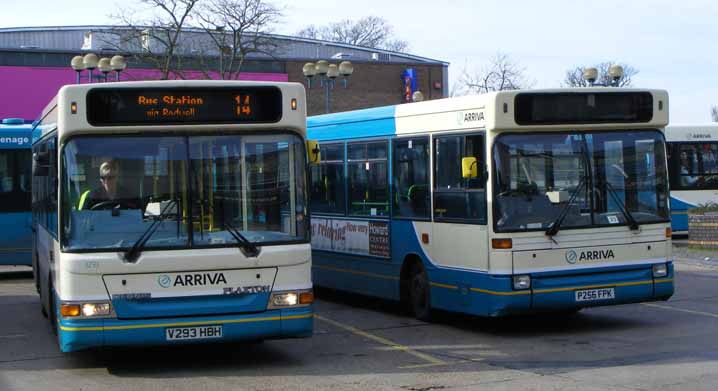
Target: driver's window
(457, 198)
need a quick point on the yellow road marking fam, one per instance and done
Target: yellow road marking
(183, 324)
(433, 361)
(665, 307)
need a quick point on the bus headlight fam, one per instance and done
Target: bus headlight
(660, 270)
(96, 309)
(85, 310)
(522, 282)
(291, 299)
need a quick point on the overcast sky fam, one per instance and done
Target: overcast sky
(673, 44)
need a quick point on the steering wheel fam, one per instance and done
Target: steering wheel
(110, 204)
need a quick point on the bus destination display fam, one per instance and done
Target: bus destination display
(205, 105)
(583, 108)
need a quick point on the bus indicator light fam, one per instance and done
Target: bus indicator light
(306, 298)
(70, 310)
(501, 244)
(669, 232)
(73, 107)
(425, 238)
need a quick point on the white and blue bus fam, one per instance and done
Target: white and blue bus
(173, 212)
(504, 203)
(15, 181)
(693, 168)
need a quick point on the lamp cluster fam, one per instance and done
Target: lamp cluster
(325, 71)
(327, 74)
(90, 62)
(615, 72)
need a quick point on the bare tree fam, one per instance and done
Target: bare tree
(154, 39)
(369, 31)
(238, 28)
(574, 76)
(714, 113)
(501, 74)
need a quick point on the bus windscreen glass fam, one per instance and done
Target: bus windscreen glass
(583, 108)
(205, 105)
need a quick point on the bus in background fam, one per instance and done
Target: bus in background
(15, 181)
(504, 203)
(693, 169)
(173, 212)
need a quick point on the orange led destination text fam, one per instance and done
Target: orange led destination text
(171, 100)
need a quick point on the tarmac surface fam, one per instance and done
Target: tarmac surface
(366, 344)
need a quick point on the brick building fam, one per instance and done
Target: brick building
(35, 62)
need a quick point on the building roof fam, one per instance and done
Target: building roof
(99, 38)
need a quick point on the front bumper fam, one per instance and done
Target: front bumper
(79, 334)
(558, 292)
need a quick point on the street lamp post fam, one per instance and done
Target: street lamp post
(78, 65)
(615, 73)
(105, 67)
(118, 64)
(327, 74)
(90, 61)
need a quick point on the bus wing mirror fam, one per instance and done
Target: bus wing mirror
(469, 169)
(313, 152)
(40, 163)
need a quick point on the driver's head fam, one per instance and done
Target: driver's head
(108, 177)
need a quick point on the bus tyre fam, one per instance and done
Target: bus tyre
(419, 293)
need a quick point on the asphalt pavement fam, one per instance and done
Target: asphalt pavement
(367, 344)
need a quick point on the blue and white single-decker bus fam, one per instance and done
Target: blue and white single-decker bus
(171, 212)
(693, 170)
(503, 203)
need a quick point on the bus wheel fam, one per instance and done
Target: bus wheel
(419, 293)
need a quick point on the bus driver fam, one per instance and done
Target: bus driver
(106, 195)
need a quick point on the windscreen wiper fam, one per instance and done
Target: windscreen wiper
(632, 223)
(556, 225)
(134, 252)
(248, 248)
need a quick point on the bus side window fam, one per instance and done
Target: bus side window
(457, 198)
(368, 178)
(411, 177)
(327, 180)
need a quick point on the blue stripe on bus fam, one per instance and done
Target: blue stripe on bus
(477, 292)
(341, 126)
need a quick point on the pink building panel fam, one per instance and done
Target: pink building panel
(24, 91)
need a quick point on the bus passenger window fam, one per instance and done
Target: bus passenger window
(327, 180)
(368, 179)
(457, 198)
(411, 177)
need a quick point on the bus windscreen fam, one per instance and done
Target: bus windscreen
(583, 108)
(204, 105)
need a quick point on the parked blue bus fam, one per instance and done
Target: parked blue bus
(496, 204)
(15, 181)
(693, 167)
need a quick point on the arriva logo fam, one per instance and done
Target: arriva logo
(571, 256)
(586, 256)
(164, 280)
